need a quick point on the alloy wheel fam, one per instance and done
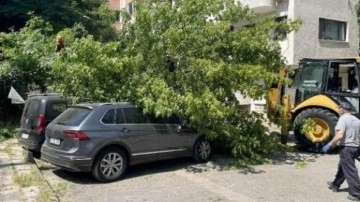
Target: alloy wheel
(112, 165)
(204, 150)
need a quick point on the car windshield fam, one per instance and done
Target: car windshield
(72, 116)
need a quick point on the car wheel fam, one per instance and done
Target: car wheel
(36, 154)
(110, 165)
(202, 150)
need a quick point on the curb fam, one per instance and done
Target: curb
(16, 176)
(30, 158)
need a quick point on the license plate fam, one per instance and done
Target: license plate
(55, 141)
(24, 136)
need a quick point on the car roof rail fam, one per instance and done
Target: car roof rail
(114, 103)
(44, 94)
(105, 103)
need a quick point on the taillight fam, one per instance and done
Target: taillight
(40, 127)
(76, 135)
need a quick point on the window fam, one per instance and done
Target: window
(131, 7)
(133, 115)
(119, 116)
(310, 79)
(332, 30)
(54, 109)
(173, 120)
(155, 120)
(312, 75)
(164, 120)
(342, 78)
(279, 33)
(33, 108)
(117, 15)
(109, 117)
(72, 116)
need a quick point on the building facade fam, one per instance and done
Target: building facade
(329, 28)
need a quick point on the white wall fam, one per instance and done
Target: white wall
(286, 8)
(305, 40)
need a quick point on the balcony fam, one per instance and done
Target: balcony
(260, 6)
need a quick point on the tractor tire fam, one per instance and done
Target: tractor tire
(324, 130)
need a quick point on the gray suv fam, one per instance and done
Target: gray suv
(106, 138)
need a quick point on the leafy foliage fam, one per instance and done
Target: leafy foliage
(174, 57)
(7, 132)
(307, 125)
(27, 55)
(93, 14)
(183, 57)
(92, 69)
(248, 141)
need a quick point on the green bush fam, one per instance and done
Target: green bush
(8, 132)
(249, 142)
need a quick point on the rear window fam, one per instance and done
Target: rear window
(72, 116)
(54, 109)
(32, 109)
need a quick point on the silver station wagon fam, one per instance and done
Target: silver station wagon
(106, 138)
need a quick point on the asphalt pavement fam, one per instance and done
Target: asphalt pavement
(292, 177)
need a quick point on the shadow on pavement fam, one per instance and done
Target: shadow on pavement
(217, 163)
(75, 177)
(297, 154)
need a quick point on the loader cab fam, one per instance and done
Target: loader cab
(343, 82)
(336, 78)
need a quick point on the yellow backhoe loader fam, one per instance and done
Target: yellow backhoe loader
(318, 86)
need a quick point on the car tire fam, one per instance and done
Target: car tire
(110, 165)
(36, 154)
(202, 150)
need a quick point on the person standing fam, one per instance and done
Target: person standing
(347, 134)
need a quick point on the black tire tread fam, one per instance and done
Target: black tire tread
(311, 113)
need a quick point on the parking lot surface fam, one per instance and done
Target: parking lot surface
(292, 177)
